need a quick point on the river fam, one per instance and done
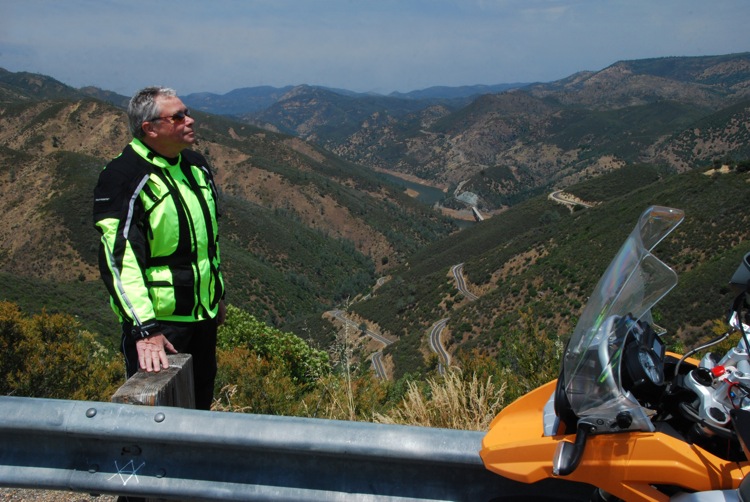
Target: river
(427, 194)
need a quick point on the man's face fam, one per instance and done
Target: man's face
(171, 133)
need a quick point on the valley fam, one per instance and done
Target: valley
(323, 195)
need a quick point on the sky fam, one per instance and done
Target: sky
(360, 45)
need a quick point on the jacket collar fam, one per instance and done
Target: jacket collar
(151, 156)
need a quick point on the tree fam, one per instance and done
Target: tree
(48, 355)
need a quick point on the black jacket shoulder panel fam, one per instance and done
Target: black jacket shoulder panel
(194, 158)
(117, 183)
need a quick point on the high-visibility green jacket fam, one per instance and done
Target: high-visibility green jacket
(159, 251)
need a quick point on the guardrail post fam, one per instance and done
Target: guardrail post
(169, 387)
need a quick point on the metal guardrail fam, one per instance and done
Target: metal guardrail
(174, 453)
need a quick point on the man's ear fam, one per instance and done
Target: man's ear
(148, 129)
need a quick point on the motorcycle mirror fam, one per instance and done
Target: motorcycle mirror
(568, 455)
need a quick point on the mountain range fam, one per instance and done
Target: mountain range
(302, 229)
(501, 146)
(311, 220)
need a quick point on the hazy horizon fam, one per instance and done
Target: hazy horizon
(379, 46)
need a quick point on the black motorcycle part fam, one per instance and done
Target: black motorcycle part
(569, 455)
(563, 410)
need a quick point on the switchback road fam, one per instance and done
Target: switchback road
(437, 346)
(377, 357)
(458, 275)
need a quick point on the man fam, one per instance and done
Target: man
(155, 206)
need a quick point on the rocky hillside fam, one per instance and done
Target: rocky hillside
(504, 147)
(530, 271)
(302, 229)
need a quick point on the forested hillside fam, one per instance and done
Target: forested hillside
(501, 148)
(534, 266)
(304, 231)
(301, 229)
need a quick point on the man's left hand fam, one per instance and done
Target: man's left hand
(221, 316)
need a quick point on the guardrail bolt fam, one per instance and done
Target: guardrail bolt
(159, 418)
(131, 450)
(93, 468)
(91, 412)
(161, 473)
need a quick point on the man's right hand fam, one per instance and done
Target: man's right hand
(152, 352)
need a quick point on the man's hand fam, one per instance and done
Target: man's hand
(152, 352)
(221, 316)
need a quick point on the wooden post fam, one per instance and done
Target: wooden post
(169, 387)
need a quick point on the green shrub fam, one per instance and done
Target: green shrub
(242, 329)
(47, 355)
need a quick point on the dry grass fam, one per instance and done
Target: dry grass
(450, 402)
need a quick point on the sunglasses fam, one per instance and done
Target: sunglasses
(177, 118)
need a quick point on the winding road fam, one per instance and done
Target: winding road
(561, 197)
(377, 357)
(437, 346)
(458, 275)
(437, 329)
(435, 333)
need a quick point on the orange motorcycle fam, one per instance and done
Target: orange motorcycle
(625, 416)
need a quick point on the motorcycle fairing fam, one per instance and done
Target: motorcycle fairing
(625, 464)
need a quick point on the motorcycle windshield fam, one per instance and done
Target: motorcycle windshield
(634, 282)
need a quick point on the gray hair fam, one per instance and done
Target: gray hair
(143, 107)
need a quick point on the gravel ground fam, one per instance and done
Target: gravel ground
(23, 495)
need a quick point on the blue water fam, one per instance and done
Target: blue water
(428, 195)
